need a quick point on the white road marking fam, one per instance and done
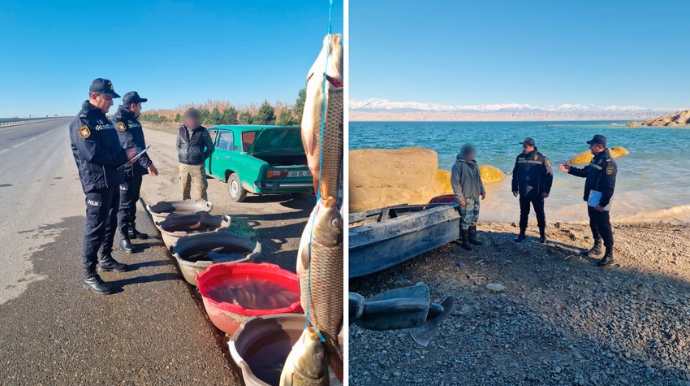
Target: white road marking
(28, 140)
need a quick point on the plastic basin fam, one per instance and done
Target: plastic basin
(187, 248)
(263, 341)
(160, 210)
(219, 283)
(175, 227)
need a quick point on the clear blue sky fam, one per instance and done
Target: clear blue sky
(623, 52)
(172, 52)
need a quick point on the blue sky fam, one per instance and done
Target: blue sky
(605, 52)
(172, 52)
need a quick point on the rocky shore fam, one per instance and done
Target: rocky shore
(559, 321)
(680, 118)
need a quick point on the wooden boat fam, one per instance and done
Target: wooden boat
(382, 238)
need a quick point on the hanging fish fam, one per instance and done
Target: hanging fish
(329, 165)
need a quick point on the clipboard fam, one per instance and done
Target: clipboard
(138, 155)
(595, 198)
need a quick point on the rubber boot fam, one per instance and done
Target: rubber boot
(94, 283)
(542, 235)
(108, 264)
(595, 251)
(473, 236)
(133, 233)
(607, 259)
(463, 240)
(521, 236)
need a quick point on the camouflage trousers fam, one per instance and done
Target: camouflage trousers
(193, 177)
(470, 213)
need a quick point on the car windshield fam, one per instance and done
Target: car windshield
(285, 139)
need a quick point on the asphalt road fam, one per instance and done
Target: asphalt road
(53, 332)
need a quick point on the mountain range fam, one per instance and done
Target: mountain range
(374, 109)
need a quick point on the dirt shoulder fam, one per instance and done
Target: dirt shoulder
(276, 221)
(560, 320)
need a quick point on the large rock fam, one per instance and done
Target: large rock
(586, 156)
(633, 124)
(381, 178)
(681, 118)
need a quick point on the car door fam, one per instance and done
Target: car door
(221, 156)
(208, 163)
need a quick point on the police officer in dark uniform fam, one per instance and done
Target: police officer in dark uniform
(532, 180)
(131, 136)
(98, 155)
(599, 187)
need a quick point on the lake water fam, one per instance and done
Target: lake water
(653, 181)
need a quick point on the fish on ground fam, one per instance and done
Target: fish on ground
(306, 364)
(327, 166)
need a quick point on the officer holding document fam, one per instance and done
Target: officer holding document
(600, 183)
(99, 156)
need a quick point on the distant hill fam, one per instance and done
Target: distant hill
(384, 110)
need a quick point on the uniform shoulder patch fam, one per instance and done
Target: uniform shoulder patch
(548, 163)
(609, 170)
(536, 157)
(121, 126)
(84, 132)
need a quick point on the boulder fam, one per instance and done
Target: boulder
(442, 183)
(633, 124)
(491, 174)
(680, 118)
(586, 156)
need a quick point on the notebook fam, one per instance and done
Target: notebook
(595, 198)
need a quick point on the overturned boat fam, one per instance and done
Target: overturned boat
(382, 238)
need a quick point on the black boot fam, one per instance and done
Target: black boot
(520, 237)
(607, 259)
(473, 236)
(595, 251)
(463, 240)
(126, 245)
(94, 283)
(133, 233)
(108, 264)
(542, 235)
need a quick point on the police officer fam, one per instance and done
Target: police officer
(98, 155)
(131, 136)
(532, 179)
(599, 187)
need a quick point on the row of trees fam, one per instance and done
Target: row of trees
(223, 113)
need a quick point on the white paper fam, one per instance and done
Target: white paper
(595, 198)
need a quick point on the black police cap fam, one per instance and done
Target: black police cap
(528, 141)
(132, 97)
(103, 86)
(598, 140)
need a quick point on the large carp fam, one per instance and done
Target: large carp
(329, 167)
(306, 364)
(321, 247)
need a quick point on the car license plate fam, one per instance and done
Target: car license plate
(299, 173)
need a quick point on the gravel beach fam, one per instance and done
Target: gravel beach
(560, 320)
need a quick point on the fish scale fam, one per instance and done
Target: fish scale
(332, 143)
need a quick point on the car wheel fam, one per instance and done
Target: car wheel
(235, 189)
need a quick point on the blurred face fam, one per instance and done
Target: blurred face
(469, 155)
(102, 101)
(527, 149)
(192, 122)
(596, 148)
(136, 109)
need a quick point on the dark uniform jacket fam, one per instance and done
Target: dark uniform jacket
(532, 174)
(601, 176)
(96, 149)
(131, 135)
(194, 147)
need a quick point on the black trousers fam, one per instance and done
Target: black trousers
(600, 224)
(101, 223)
(538, 203)
(129, 196)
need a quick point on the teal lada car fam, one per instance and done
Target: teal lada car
(259, 159)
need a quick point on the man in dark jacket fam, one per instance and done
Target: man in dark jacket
(600, 183)
(467, 185)
(98, 155)
(532, 180)
(131, 136)
(194, 146)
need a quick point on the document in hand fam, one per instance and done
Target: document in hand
(138, 155)
(595, 198)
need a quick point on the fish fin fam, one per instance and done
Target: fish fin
(335, 358)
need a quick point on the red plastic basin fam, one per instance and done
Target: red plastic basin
(228, 317)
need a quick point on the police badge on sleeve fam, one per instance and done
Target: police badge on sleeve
(84, 132)
(121, 126)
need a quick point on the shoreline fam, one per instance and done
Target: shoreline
(561, 319)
